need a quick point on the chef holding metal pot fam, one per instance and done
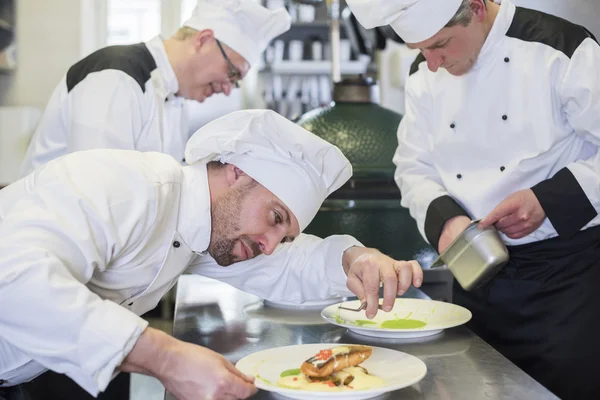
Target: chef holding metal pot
(502, 125)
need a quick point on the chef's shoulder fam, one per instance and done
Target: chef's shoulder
(131, 64)
(532, 28)
(110, 177)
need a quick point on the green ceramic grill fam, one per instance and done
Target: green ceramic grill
(368, 206)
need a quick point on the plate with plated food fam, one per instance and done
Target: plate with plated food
(343, 371)
(408, 318)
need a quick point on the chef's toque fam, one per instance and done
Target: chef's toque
(300, 168)
(244, 25)
(413, 20)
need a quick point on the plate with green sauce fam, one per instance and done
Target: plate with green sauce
(393, 369)
(408, 318)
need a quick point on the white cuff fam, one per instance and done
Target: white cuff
(336, 277)
(107, 337)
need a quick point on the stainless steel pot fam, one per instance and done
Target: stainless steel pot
(475, 256)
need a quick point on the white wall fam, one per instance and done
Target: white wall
(49, 40)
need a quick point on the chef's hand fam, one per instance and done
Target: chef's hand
(366, 268)
(188, 371)
(199, 373)
(452, 228)
(516, 216)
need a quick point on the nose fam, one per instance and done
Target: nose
(434, 61)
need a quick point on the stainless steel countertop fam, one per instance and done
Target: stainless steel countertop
(459, 364)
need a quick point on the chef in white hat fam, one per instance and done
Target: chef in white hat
(92, 240)
(502, 125)
(132, 97)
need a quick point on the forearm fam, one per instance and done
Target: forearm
(149, 354)
(450, 231)
(307, 269)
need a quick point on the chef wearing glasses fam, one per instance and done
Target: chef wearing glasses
(131, 97)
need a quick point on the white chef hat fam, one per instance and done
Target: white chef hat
(413, 20)
(297, 166)
(244, 25)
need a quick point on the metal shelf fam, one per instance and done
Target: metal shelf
(315, 67)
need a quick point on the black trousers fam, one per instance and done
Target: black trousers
(53, 386)
(14, 393)
(542, 312)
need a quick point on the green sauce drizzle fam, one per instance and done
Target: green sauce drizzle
(290, 372)
(263, 379)
(403, 324)
(361, 322)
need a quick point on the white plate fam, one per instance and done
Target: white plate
(397, 369)
(435, 316)
(307, 305)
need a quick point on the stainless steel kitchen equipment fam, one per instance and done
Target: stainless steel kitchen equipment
(475, 256)
(459, 364)
(363, 306)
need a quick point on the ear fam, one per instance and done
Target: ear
(479, 9)
(234, 174)
(202, 38)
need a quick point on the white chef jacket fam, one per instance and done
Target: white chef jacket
(120, 97)
(525, 116)
(92, 240)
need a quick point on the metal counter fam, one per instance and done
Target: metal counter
(459, 364)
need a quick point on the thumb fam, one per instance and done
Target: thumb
(494, 216)
(231, 368)
(490, 219)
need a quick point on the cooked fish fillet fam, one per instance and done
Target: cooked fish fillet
(332, 360)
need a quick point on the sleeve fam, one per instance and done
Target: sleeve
(571, 197)
(306, 269)
(421, 187)
(105, 110)
(51, 244)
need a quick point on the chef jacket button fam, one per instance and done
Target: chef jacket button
(506, 59)
(176, 244)
(505, 117)
(502, 169)
(459, 176)
(130, 304)
(452, 125)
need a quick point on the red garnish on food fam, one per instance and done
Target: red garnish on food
(331, 384)
(324, 355)
(295, 379)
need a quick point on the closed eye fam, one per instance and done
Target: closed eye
(439, 45)
(278, 219)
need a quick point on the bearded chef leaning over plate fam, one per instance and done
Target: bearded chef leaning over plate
(92, 240)
(502, 124)
(132, 97)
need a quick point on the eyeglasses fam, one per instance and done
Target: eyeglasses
(233, 73)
